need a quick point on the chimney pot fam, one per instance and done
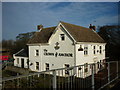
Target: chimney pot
(39, 27)
(92, 27)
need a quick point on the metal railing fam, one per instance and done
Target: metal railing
(93, 76)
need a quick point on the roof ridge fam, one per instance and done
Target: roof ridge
(74, 24)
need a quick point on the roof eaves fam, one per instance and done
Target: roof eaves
(19, 51)
(38, 44)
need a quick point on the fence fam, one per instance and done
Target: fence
(88, 76)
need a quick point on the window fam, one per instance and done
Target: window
(94, 50)
(47, 66)
(66, 71)
(98, 64)
(36, 52)
(85, 50)
(37, 65)
(86, 67)
(27, 63)
(100, 49)
(17, 60)
(62, 37)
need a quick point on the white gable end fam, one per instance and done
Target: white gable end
(58, 57)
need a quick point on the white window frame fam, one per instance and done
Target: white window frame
(85, 50)
(86, 67)
(62, 37)
(18, 61)
(37, 66)
(47, 66)
(36, 52)
(100, 49)
(94, 49)
(66, 71)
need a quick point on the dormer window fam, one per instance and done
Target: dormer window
(62, 36)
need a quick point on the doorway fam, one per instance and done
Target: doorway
(22, 63)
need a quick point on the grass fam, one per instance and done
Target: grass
(8, 73)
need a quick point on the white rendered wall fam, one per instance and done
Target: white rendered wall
(33, 59)
(91, 57)
(19, 65)
(54, 62)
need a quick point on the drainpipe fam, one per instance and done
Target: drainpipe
(40, 58)
(74, 58)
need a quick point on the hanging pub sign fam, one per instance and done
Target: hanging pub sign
(56, 54)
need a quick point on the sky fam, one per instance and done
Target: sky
(23, 17)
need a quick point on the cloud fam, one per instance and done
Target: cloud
(24, 17)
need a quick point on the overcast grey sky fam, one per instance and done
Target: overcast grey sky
(21, 17)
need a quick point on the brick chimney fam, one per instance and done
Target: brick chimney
(39, 27)
(92, 27)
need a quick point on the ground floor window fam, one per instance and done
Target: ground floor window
(37, 65)
(47, 66)
(66, 71)
(22, 62)
(86, 67)
(98, 64)
(17, 60)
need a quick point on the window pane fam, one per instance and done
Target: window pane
(37, 53)
(62, 37)
(47, 66)
(86, 50)
(37, 65)
(17, 60)
(66, 71)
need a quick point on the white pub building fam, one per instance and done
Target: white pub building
(62, 46)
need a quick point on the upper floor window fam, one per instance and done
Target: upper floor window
(100, 49)
(62, 36)
(37, 65)
(94, 51)
(47, 66)
(36, 52)
(86, 50)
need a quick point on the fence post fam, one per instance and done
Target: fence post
(108, 72)
(18, 83)
(54, 80)
(117, 69)
(93, 81)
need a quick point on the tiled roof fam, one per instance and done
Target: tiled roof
(42, 36)
(22, 53)
(80, 34)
